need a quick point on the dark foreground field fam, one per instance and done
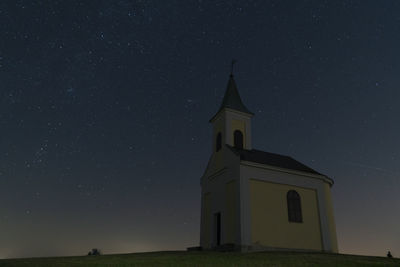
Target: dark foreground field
(182, 258)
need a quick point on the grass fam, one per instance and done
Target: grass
(183, 258)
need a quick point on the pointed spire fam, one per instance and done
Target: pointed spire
(232, 98)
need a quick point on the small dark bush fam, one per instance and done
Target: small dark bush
(94, 252)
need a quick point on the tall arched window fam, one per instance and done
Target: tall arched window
(238, 139)
(294, 206)
(218, 142)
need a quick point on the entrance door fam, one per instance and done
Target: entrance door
(217, 229)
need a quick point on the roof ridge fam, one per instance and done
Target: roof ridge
(273, 153)
(273, 159)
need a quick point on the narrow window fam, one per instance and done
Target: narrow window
(238, 139)
(218, 143)
(294, 206)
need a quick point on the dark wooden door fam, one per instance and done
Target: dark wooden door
(217, 223)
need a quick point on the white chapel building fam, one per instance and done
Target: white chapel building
(256, 200)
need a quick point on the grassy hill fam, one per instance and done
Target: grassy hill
(182, 258)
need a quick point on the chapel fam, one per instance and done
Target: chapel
(257, 200)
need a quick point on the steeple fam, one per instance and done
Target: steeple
(232, 99)
(232, 122)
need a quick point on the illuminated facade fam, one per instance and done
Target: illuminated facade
(255, 200)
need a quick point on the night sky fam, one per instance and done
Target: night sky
(104, 109)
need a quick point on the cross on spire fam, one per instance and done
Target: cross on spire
(232, 98)
(233, 63)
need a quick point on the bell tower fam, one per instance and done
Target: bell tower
(232, 122)
(222, 212)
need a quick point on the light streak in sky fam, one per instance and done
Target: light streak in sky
(362, 165)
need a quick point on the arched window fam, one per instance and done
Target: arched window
(294, 206)
(238, 139)
(218, 142)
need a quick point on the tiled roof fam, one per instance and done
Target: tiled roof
(272, 159)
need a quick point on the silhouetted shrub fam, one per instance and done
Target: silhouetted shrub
(94, 252)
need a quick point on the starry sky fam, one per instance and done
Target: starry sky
(104, 109)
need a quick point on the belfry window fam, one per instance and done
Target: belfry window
(294, 206)
(218, 142)
(238, 139)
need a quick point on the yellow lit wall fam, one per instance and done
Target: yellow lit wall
(269, 217)
(230, 217)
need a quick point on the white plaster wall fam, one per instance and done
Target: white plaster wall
(214, 182)
(249, 170)
(231, 115)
